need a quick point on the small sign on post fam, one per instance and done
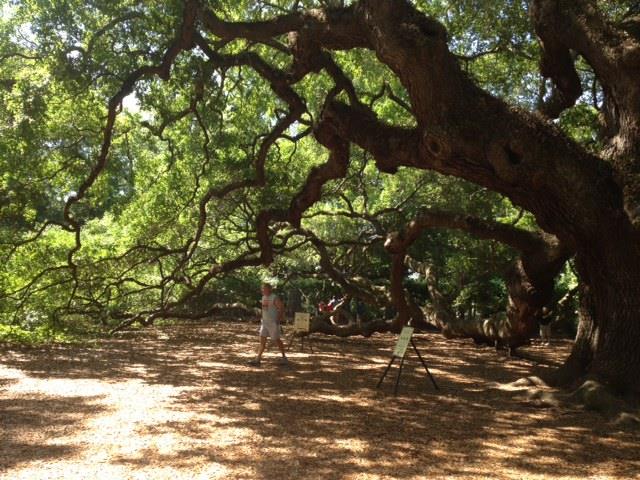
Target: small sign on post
(404, 339)
(301, 322)
(403, 342)
(301, 328)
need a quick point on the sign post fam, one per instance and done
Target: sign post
(403, 342)
(404, 339)
(301, 327)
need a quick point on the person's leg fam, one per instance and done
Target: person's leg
(280, 344)
(263, 343)
(261, 347)
(545, 330)
(276, 337)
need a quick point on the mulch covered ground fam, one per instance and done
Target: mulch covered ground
(180, 403)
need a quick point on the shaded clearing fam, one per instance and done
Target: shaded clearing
(179, 402)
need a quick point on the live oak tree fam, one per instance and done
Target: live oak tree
(299, 76)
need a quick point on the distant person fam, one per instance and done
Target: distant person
(272, 315)
(322, 307)
(360, 310)
(545, 326)
(332, 304)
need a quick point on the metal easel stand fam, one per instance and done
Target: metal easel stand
(393, 357)
(301, 337)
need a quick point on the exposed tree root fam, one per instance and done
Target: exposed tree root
(321, 324)
(365, 329)
(590, 395)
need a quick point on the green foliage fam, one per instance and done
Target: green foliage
(37, 335)
(581, 123)
(201, 130)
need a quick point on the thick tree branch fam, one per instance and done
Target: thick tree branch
(333, 28)
(522, 240)
(613, 51)
(530, 280)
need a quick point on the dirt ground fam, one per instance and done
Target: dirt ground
(180, 403)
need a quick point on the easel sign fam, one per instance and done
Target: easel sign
(301, 328)
(301, 322)
(403, 342)
(404, 339)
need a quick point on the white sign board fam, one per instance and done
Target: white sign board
(403, 342)
(301, 322)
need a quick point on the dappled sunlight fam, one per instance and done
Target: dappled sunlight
(183, 403)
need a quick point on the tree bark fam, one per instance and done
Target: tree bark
(572, 193)
(607, 345)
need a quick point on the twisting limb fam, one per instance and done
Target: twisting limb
(530, 279)
(182, 41)
(613, 51)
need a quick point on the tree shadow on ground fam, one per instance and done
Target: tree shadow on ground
(323, 417)
(327, 414)
(35, 429)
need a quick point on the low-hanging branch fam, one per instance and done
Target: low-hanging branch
(530, 278)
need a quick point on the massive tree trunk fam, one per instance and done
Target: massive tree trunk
(608, 259)
(607, 344)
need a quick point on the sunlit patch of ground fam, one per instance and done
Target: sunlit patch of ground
(180, 402)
